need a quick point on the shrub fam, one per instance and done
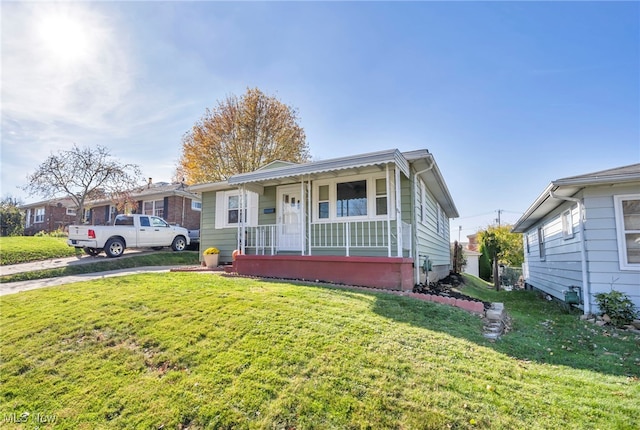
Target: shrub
(212, 250)
(618, 306)
(57, 233)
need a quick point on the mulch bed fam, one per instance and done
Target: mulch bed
(446, 287)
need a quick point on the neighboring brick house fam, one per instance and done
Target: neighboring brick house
(170, 201)
(48, 216)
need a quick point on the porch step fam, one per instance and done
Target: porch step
(494, 321)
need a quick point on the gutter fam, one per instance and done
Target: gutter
(586, 288)
(416, 258)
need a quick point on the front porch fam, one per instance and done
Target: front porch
(346, 238)
(374, 272)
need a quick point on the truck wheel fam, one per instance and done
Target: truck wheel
(114, 247)
(92, 251)
(179, 243)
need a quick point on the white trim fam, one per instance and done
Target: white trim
(222, 209)
(196, 205)
(567, 224)
(38, 215)
(371, 197)
(621, 232)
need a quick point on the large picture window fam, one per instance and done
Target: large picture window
(627, 211)
(361, 197)
(351, 199)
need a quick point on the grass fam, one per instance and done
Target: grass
(549, 333)
(191, 350)
(22, 249)
(159, 258)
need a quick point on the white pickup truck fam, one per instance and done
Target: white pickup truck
(128, 231)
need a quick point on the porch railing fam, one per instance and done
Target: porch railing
(264, 239)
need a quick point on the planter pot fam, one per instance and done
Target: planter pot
(211, 260)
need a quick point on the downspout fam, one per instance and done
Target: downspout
(416, 258)
(586, 288)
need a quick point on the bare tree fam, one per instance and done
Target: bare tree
(240, 135)
(83, 174)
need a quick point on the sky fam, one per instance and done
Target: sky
(507, 96)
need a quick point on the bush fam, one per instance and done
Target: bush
(618, 306)
(57, 233)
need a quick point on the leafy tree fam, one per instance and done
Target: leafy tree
(83, 174)
(502, 247)
(240, 135)
(11, 218)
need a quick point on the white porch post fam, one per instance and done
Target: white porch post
(398, 214)
(388, 190)
(241, 217)
(309, 219)
(303, 216)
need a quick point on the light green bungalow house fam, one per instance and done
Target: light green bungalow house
(379, 219)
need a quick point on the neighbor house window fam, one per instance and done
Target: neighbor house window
(39, 215)
(71, 211)
(153, 207)
(541, 243)
(627, 212)
(567, 224)
(196, 206)
(351, 198)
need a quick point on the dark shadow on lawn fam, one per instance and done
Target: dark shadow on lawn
(535, 340)
(532, 336)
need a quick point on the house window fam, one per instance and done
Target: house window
(196, 206)
(363, 197)
(233, 209)
(381, 196)
(38, 215)
(627, 213)
(153, 207)
(541, 245)
(323, 201)
(421, 200)
(228, 209)
(71, 211)
(351, 199)
(28, 219)
(526, 239)
(567, 224)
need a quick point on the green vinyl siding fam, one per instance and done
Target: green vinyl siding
(224, 239)
(429, 241)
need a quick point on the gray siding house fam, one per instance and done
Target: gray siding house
(338, 220)
(584, 231)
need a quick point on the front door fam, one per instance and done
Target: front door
(289, 218)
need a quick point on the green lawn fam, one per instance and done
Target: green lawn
(192, 350)
(22, 249)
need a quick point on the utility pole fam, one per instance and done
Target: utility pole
(499, 213)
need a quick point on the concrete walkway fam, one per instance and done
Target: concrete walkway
(16, 287)
(55, 263)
